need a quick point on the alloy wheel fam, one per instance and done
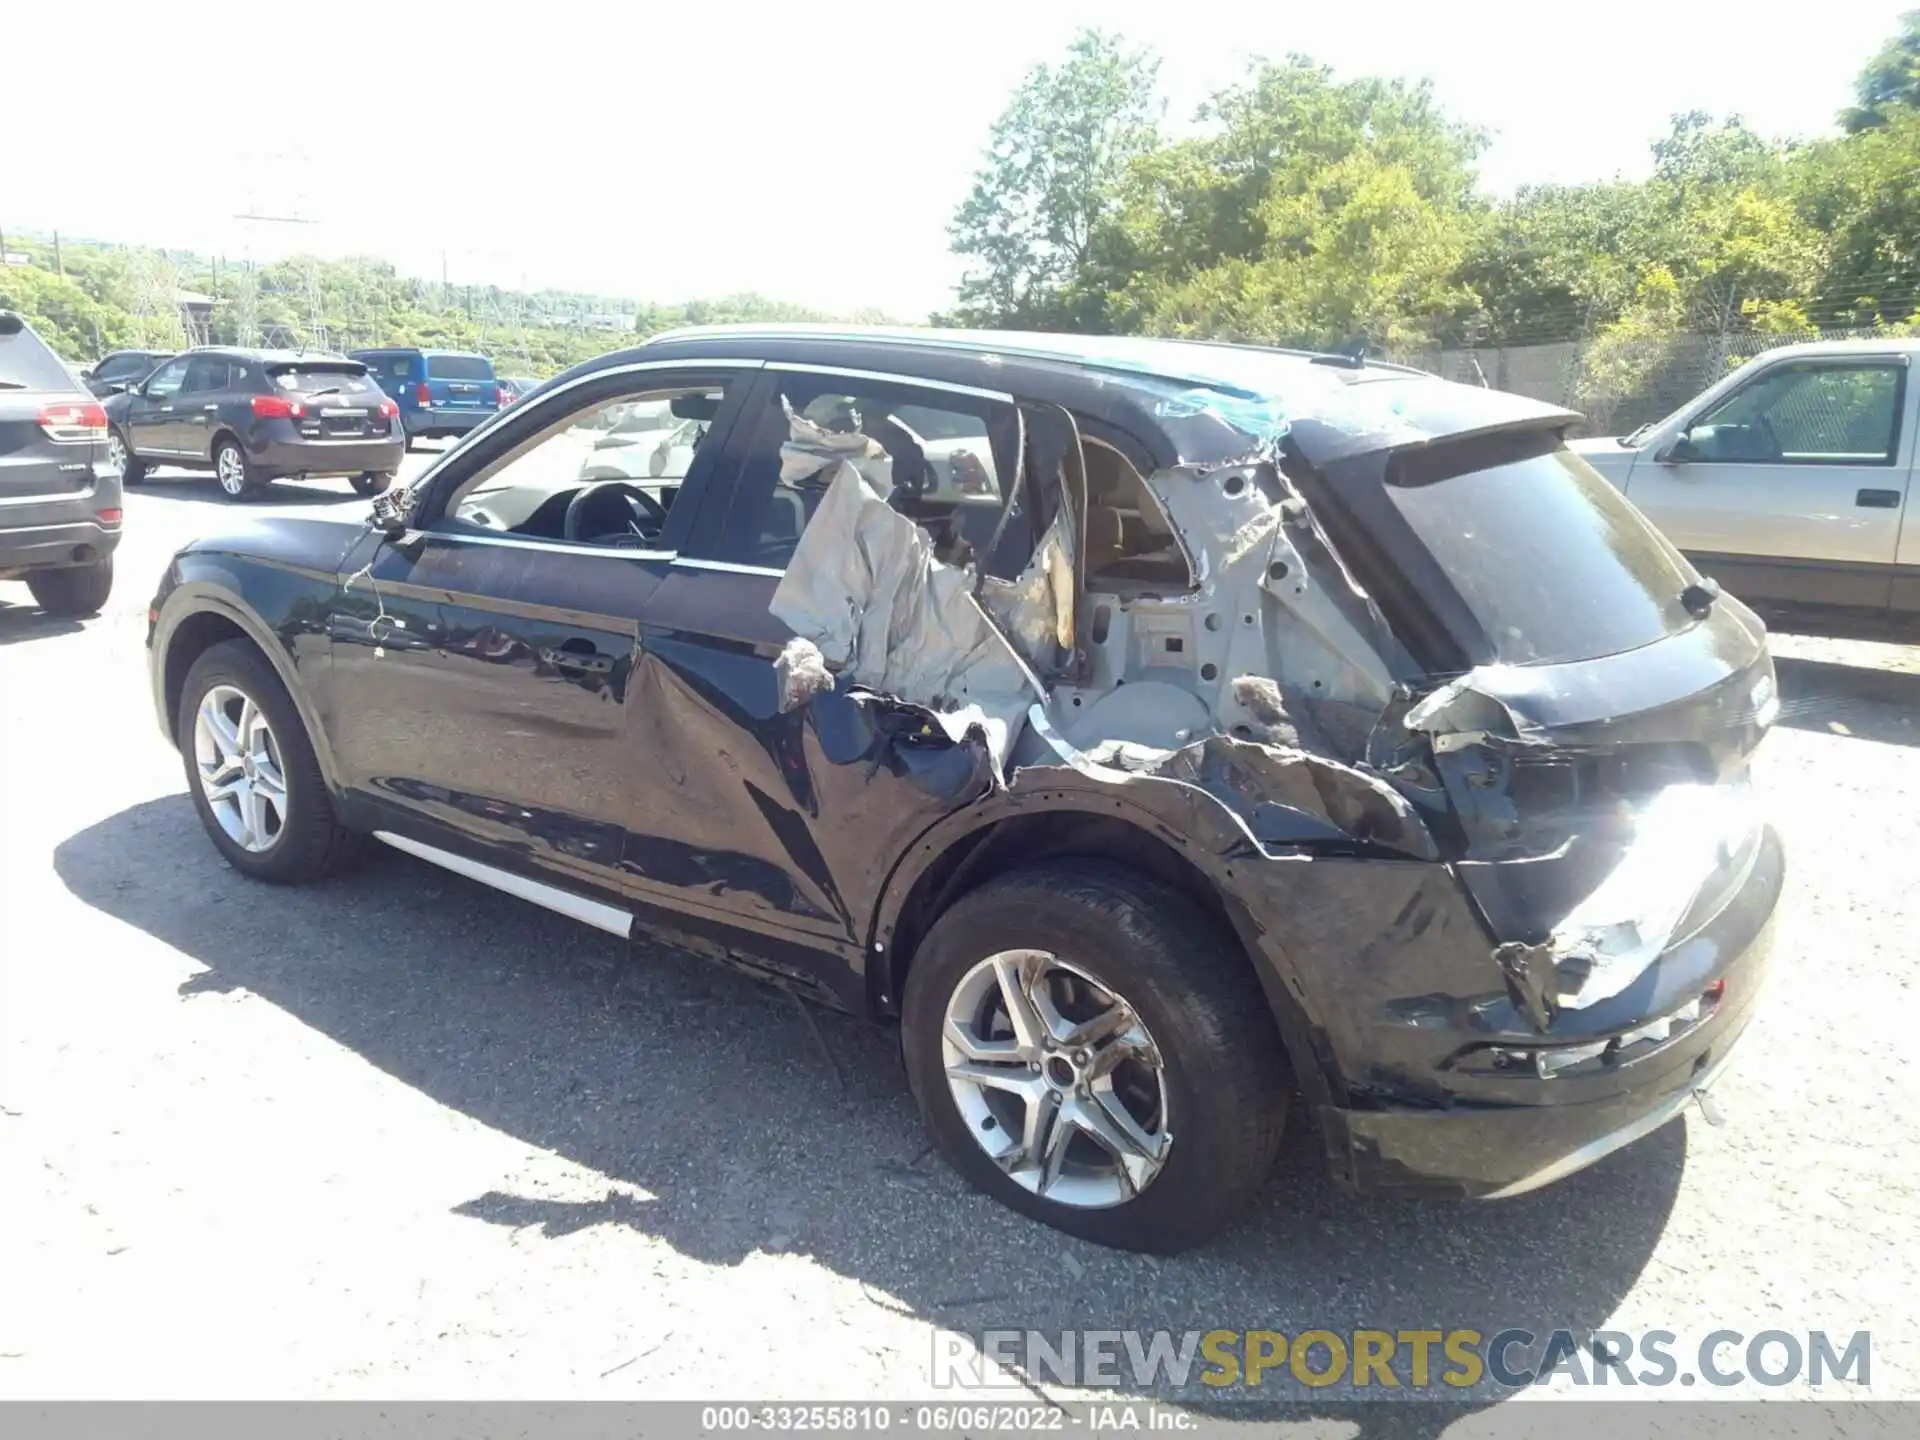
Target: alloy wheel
(1057, 1079)
(238, 762)
(116, 451)
(230, 468)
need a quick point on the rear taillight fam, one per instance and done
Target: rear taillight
(277, 407)
(73, 422)
(422, 395)
(107, 517)
(390, 409)
(501, 396)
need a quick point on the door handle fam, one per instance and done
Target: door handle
(166, 409)
(1877, 499)
(209, 408)
(578, 662)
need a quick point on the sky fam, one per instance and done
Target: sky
(811, 152)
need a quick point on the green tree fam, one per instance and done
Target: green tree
(1055, 159)
(1890, 83)
(1314, 211)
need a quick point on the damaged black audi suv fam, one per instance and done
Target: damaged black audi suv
(1159, 732)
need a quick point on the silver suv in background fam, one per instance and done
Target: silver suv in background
(59, 493)
(1790, 482)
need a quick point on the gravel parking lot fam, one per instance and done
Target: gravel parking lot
(398, 1135)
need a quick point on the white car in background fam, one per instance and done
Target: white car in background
(644, 442)
(1790, 482)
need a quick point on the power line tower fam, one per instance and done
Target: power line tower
(156, 297)
(503, 313)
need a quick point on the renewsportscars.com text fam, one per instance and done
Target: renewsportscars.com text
(1377, 1360)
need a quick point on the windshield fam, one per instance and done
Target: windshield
(1550, 560)
(459, 367)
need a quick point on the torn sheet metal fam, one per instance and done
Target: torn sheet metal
(865, 588)
(1279, 797)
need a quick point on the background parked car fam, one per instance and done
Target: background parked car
(516, 386)
(1789, 481)
(59, 491)
(256, 416)
(439, 392)
(122, 369)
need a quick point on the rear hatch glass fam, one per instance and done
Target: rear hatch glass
(1548, 559)
(462, 382)
(27, 364)
(341, 399)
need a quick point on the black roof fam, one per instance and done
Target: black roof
(266, 357)
(1213, 394)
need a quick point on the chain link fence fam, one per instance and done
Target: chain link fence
(1617, 386)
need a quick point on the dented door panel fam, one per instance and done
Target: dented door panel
(779, 817)
(482, 689)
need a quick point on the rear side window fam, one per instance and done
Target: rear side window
(318, 379)
(459, 367)
(27, 364)
(1549, 558)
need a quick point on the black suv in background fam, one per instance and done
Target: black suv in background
(120, 370)
(256, 416)
(59, 493)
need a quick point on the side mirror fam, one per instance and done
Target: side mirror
(1679, 452)
(392, 512)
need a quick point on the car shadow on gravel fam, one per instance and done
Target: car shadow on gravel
(192, 486)
(1857, 701)
(727, 1120)
(29, 622)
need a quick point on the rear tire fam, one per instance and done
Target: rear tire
(305, 841)
(372, 482)
(74, 590)
(234, 473)
(1204, 1087)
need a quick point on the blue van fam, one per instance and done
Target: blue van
(439, 392)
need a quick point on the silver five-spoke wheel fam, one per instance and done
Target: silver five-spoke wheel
(230, 468)
(238, 761)
(116, 451)
(1057, 1079)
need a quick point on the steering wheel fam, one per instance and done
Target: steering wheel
(652, 519)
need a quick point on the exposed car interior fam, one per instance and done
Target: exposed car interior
(1130, 541)
(607, 478)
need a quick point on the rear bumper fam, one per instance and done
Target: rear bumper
(1490, 1151)
(444, 421)
(275, 456)
(46, 547)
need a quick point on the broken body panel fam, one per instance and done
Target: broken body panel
(1229, 646)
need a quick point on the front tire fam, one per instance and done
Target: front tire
(236, 476)
(1150, 1108)
(372, 482)
(252, 772)
(120, 454)
(73, 590)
